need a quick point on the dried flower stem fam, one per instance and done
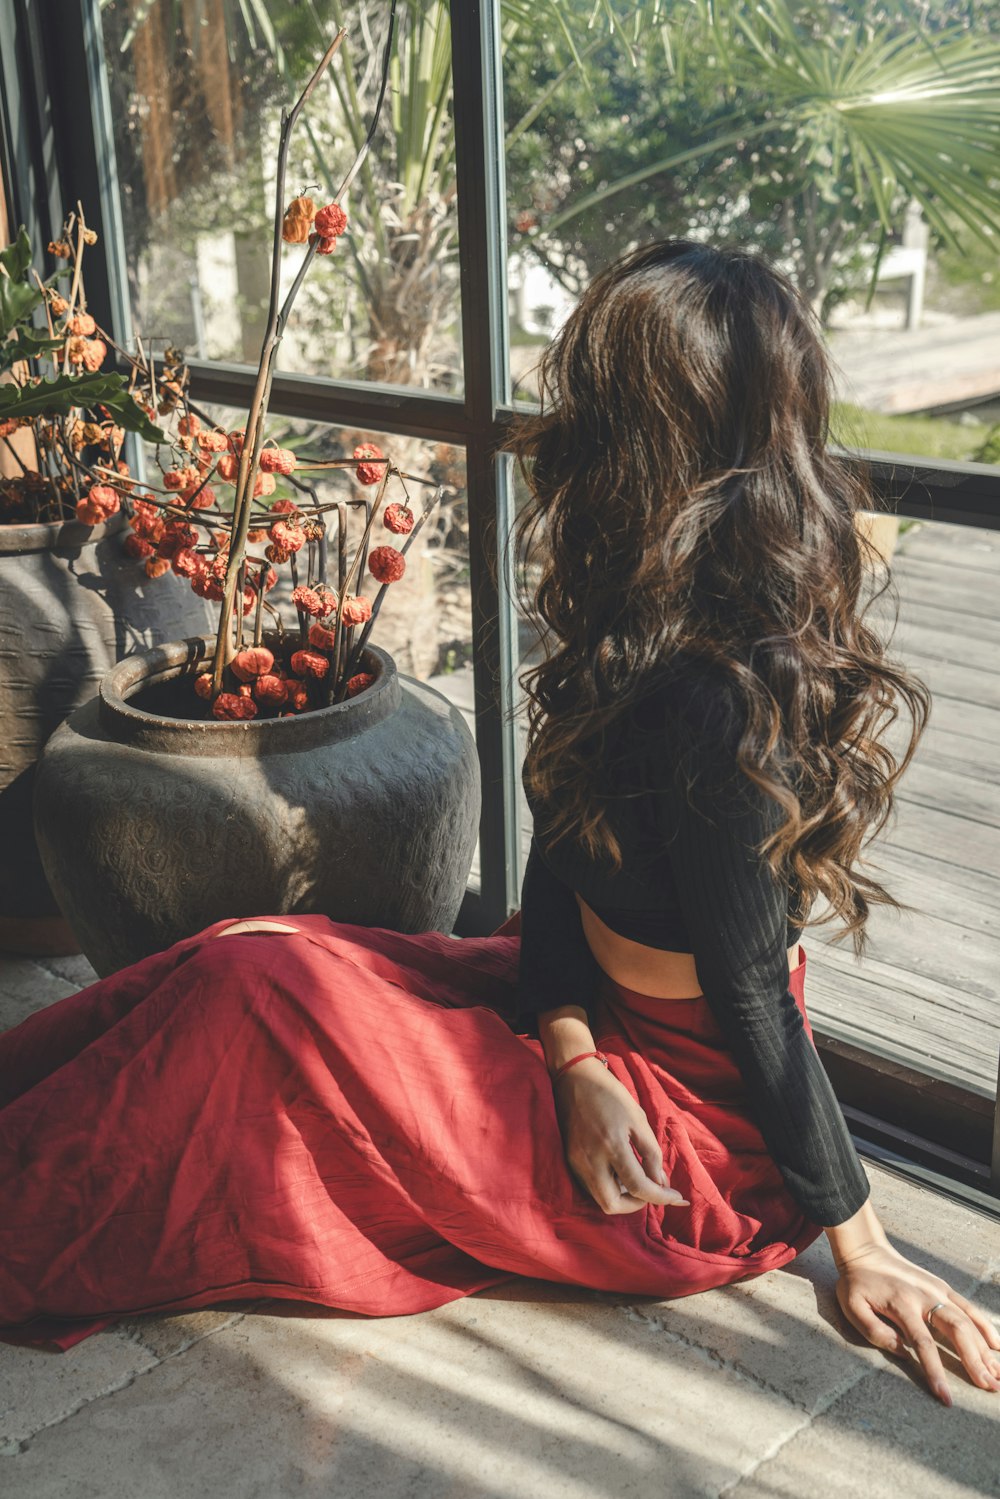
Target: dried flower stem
(253, 437)
(377, 603)
(258, 622)
(277, 317)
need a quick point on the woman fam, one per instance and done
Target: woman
(623, 1093)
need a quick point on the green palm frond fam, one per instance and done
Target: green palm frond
(899, 114)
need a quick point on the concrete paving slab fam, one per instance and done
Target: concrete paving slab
(166, 1336)
(483, 1399)
(38, 1390)
(75, 969)
(27, 986)
(880, 1440)
(758, 1326)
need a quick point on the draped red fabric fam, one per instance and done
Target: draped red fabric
(343, 1115)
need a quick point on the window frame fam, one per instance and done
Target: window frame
(56, 146)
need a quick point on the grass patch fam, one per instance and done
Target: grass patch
(923, 436)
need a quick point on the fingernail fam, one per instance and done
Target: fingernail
(943, 1393)
(677, 1202)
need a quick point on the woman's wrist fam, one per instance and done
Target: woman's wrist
(564, 1034)
(857, 1236)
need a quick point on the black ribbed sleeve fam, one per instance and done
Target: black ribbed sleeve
(556, 967)
(711, 818)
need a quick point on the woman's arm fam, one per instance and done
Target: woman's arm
(599, 1119)
(712, 820)
(557, 968)
(736, 914)
(610, 1144)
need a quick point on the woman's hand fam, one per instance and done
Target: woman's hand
(886, 1298)
(601, 1123)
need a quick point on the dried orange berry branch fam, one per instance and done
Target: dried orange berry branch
(225, 511)
(329, 223)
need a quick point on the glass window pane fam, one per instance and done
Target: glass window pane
(197, 92)
(703, 122)
(592, 123)
(425, 621)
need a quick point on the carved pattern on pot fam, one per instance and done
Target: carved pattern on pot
(151, 828)
(71, 605)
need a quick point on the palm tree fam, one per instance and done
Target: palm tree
(849, 119)
(851, 109)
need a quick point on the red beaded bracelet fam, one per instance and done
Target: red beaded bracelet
(581, 1058)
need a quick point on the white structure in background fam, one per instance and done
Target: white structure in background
(538, 303)
(909, 260)
(214, 292)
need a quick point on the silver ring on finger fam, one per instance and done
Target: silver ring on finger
(935, 1308)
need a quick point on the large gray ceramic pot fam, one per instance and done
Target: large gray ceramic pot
(152, 827)
(71, 605)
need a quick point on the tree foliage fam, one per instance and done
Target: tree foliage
(800, 128)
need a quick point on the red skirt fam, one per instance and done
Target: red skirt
(344, 1116)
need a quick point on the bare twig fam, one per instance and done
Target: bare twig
(377, 604)
(277, 318)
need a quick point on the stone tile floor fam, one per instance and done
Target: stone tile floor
(753, 1392)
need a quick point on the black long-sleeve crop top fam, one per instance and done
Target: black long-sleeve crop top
(689, 822)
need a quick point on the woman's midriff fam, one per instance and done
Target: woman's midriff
(239, 927)
(647, 970)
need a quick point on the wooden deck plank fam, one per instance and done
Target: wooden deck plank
(957, 647)
(927, 991)
(969, 904)
(914, 369)
(951, 751)
(959, 793)
(961, 546)
(944, 621)
(932, 582)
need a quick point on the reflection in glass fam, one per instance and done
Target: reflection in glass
(688, 132)
(797, 130)
(197, 91)
(425, 622)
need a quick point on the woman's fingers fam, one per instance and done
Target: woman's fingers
(952, 1323)
(871, 1326)
(649, 1150)
(597, 1185)
(984, 1322)
(645, 1142)
(638, 1184)
(925, 1349)
(604, 1178)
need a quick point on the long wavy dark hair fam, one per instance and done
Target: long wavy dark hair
(682, 500)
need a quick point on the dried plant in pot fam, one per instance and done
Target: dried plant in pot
(284, 765)
(71, 600)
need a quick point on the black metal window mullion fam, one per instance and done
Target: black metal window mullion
(482, 246)
(69, 124)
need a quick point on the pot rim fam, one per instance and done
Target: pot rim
(143, 729)
(69, 535)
